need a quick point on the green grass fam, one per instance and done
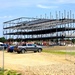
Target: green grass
(9, 72)
(1, 72)
(57, 51)
(71, 53)
(54, 51)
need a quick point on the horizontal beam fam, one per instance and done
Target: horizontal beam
(46, 31)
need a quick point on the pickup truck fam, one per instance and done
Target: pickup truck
(27, 47)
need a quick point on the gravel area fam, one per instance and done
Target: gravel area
(38, 63)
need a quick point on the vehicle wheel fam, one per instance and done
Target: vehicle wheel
(18, 52)
(39, 50)
(23, 51)
(11, 51)
(7, 50)
(35, 51)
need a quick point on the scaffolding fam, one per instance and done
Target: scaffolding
(25, 28)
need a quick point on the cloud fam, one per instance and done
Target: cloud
(63, 1)
(3, 17)
(29, 3)
(19, 3)
(59, 1)
(46, 7)
(9, 4)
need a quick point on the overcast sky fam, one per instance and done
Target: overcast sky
(10, 9)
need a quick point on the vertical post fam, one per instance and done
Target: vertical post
(3, 55)
(65, 25)
(45, 15)
(68, 23)
(9, 30)
(60, 24)
(3, 59)
(56, 28)
(62, 27)
(70, 19)
(50, 27)
(73, 24)
(50, 15)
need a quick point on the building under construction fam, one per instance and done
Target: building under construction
(24, 28)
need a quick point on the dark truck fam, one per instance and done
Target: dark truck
(27, 47)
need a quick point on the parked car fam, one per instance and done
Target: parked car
(10, 49)
(28, 47)
(3, 45)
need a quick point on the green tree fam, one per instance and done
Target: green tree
(73, 40)
(2, 39)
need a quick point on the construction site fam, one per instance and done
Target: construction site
(56, 28)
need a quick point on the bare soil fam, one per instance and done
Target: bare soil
(38, 63)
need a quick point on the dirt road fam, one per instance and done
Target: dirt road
(38, 63)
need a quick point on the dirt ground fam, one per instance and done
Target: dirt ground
(38, 63)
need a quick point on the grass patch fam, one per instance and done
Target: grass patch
(58, 50)
(1, 73)
(9, 72)
(71, 53)
(54, 51)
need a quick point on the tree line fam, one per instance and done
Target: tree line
(2, 39)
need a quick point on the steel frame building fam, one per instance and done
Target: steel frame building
(25, 28)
